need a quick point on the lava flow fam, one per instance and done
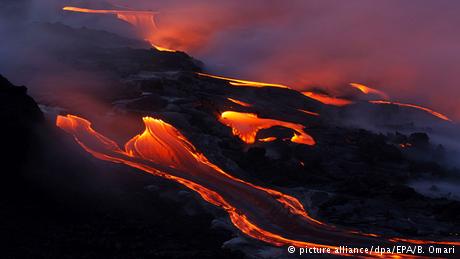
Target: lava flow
(143, 21)
(239, 102)
(326, 99)
(246, 126)
(308, 112)
(261, 213)
(239, 82)
(437, 114)
(367, 90)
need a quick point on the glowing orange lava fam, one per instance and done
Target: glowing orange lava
(269, 139)
(326, 99)
(239, 102)
(308, 112)
(405, 145)
(239, 82)
(246, 126)
(163, 151)
(144, 21)
(367, 90)
(437, 114)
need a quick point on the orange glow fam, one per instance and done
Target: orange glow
(326, 99)
(367, 90)
(269, 139)
(144, 21)
(162, 48)
(437, 114)
(163, 151)
(239, 102)
(85, 10)
(308, 112)
(247, 125)
(405, 145)
(238, 82)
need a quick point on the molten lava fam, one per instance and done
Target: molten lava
(239, 82)
(163, 151)
(246, 126)
(326, 99)
(405, 145)
(367, 90)
(437, 114)
(308, 112)
(239, 102)
(269, 139)
(144, 21)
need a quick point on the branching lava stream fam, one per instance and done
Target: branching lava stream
(246, 126)
(259, 212)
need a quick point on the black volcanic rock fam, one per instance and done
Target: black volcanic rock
(89, 49)
(19, 116)
(419, 139)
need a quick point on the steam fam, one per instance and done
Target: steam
(409, 51)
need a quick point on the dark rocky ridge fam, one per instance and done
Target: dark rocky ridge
(353, 177)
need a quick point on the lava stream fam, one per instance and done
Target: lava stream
(239, 102)
(239, 82)
(261, 213)
(308, 112)
(144, 21)
(437, 114)
(326, 99)
(269, 139)
(367, 90)
(247, 125)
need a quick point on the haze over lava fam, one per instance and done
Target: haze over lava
(406, 50)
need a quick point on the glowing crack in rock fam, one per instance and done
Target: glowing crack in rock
(239, 82)
(245, 104)
(308, 112)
